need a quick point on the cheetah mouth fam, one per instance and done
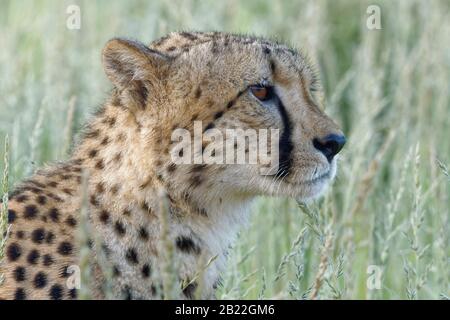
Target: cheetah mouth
(317, 178)
(311, 188)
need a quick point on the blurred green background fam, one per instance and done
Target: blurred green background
(381, 232)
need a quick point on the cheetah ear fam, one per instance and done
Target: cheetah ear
(133, 68)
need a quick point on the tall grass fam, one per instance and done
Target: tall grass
(388, 210)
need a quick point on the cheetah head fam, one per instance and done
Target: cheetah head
(212, 82)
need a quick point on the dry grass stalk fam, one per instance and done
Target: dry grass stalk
(4, 226)
(68, 134)
(322, 266)
(167, 248)
(84, 241)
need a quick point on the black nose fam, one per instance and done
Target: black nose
(330, 145)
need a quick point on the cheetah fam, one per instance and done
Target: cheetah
(122, 169)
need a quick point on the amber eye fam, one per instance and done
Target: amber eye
(260, 92)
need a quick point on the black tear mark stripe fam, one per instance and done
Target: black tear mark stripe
(285, 144)
(230, 104)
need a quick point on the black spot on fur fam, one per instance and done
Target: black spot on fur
(73, 294)
(195, 181)
(34, 190)
(187, 245)
(41, 200)
(93, 200)
(116, 271)
(92, 134)
(13, 252)
(20, 234)
(64, 272)
(92, 153)
(198, 93)
(132, 256)
(120, 228)
(19, 294)
(76, 169)
(54, 214)
(54, 197)
(120, 137)
(20, 274)
(56, 292)
(127, 293)
(104, 216)
(36, 183)
(65, 248)
(188, 36)
(53, 184)
(71, 221)
(189, 290)
(30, 212)
(146, 270)
(47, 260)
(143, 234)
(38, 235)
(22, 198)
(11, 216)
(100, 164)
(117, 158)
(33, 257)
(153, 290)
(111, 121)
(40, 280)
(50, 237)
(115, 189)
(105, 141)
(68, 191)
(161, 41)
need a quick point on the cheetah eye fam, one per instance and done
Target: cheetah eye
(262, 93)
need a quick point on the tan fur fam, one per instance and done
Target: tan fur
(125, 151)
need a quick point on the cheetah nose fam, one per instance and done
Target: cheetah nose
(330, 145)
